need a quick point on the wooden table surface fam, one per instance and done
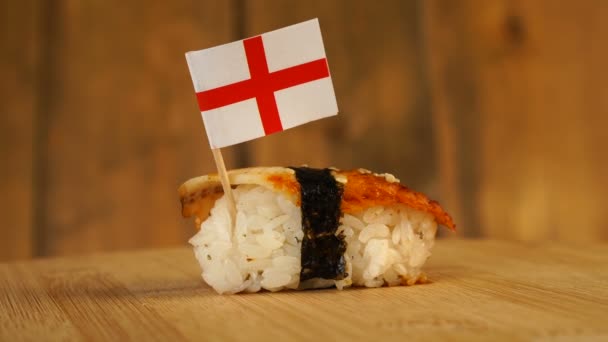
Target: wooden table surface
(479, 289)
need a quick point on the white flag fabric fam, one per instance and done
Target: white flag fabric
(263, 85)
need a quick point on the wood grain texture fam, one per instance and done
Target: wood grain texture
(384, 122)
(99, 123)
(124, 128)
(520, 100)
(480, 290)
(19, 66)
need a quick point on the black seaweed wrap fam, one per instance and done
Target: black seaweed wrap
(322, 251)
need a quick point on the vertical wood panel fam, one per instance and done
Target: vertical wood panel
(455, 116)
(384, 122)
(521, 88)
(124, 128)
(19, 39)
(518, 93)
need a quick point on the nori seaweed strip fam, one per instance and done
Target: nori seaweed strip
(322, 251)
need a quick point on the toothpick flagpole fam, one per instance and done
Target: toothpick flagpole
(223, 174)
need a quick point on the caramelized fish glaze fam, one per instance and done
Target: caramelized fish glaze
(362, 189)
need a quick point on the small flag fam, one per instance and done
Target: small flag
(263, 85)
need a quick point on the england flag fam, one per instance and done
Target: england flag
(263, 85)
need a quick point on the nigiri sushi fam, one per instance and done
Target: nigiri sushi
(301, 228)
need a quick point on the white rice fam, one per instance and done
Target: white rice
(262, 250)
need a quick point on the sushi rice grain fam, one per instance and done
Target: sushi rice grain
(261, 250)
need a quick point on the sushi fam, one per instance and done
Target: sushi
(303, 228)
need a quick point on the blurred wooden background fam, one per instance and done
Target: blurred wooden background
(499, 109)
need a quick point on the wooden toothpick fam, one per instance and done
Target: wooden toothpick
(221, 171)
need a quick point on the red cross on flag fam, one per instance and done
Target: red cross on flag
(263, 85)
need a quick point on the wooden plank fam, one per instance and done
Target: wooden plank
(377, 70)
(103, 319)
(27, 312)
(124, 127)
(520, 90)
(19, 67)
(479, 288)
